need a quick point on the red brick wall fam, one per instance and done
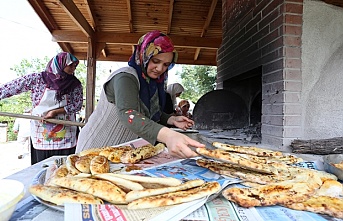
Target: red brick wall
(267, 34)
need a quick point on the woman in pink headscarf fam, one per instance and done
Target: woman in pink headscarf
(55, 93)
(132, 101)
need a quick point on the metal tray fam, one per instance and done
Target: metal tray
(40, 179)
(333, 158)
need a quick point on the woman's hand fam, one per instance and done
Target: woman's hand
(54, 113)
(178, 144)
(181, 122)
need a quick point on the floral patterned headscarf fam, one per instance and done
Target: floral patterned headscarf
(56, 79)
(149, 45)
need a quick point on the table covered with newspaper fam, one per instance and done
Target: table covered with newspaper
(214, 207)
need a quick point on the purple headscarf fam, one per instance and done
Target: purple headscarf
(56, 79)
(149, 45)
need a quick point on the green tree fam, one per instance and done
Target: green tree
(197, 81)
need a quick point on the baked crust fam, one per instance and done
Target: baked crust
(60, 196)
(175, 197)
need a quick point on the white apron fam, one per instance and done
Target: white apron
(49, 136)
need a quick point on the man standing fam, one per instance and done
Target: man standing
(22, 128)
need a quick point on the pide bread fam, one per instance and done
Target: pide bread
(331, 188)
(128, 184)
(70, 164)
(175, 197)
(137, 194)
(100, 188)
(267, 195)
(83, 164)
(60, 196)
(117, 153)
(141, 153)
(232, 158)
(99, 164)
(114, 154)
(255, 151)
(167, 181)
(328, 205)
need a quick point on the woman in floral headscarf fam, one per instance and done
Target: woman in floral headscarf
(55, 93)
(132, 101)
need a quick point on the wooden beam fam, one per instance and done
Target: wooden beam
(43, 14)
(206, 25)
(66, 47)
(71, 9)
(209, 18)
(196, 54)
(132, 38)
(129, 13)
(125, 58)
(91, 14)
(170, 15)
(91, 77)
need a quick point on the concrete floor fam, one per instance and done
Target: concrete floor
(9, 162)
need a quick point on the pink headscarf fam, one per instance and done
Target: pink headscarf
(56, 79)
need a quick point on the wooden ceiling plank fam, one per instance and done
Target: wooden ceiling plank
(71, 9)
(129, 12)
(170, 15)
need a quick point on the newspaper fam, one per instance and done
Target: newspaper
(221, 209)
(215, 207)
(181, 169)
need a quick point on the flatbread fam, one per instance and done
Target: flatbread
(141, 153)
(166, 181)
(238, 172)
(331, 188)
(61, 171)
(116, 153)
(229, 157)
(99, 164)
(128, 184)
(60, 196)
(70, 164)
(175, 197)
(331, 206)
(83, 164)
(100, 188)
(137, 194)
(298, 189)
(91, 152)
(247, 150)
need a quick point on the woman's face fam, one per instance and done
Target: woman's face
(70, 69)
(159, 64)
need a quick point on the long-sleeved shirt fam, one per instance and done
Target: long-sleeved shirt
(120, 115)
(35, 84)
(47, 136)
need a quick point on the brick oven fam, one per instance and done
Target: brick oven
(267, 62)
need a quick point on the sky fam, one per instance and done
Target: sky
(23, 35)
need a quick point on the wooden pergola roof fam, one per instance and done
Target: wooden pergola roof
(106, 30)
(195, 26)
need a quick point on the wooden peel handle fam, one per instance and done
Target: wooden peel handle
(55, 121)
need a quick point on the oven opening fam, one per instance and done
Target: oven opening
(234, 111)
